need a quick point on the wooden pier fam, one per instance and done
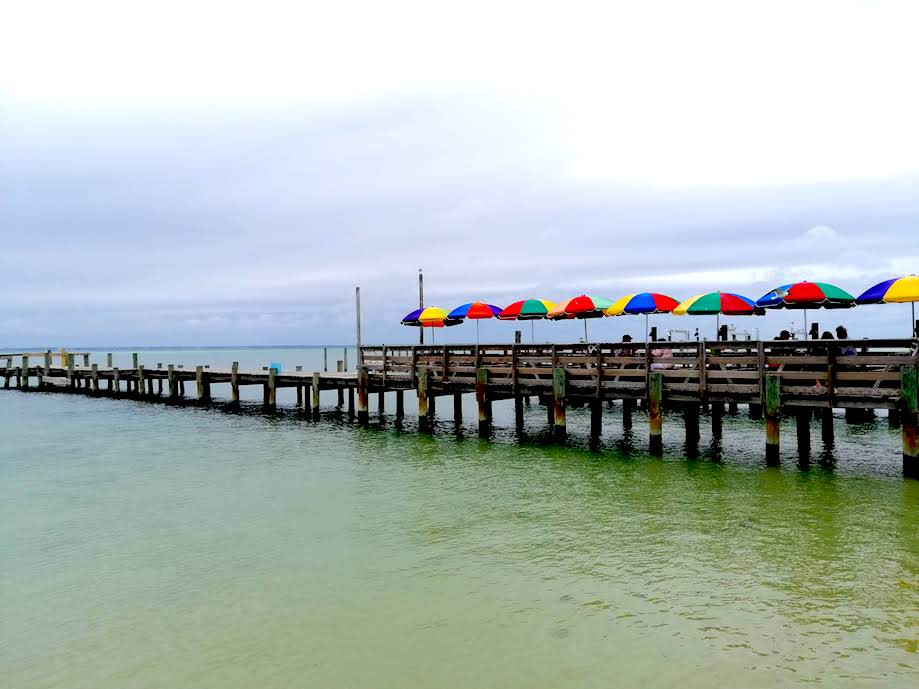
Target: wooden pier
(771, 378)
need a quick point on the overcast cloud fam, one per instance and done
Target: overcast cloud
(208, 175)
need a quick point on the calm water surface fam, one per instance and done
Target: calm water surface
(151, 546)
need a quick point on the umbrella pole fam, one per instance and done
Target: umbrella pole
(805, 324)
(646, 328)
(477, 331)
(533, 332)
(432, 337)
(912, 322)
(585, 330)
(717, 325)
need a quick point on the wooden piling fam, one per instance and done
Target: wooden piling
(199, 382)
(71, 381)
(363, 402)
(314, 402)
(400, 404)
(596, 420)
(341, 398)
(772, 409)
(25, 370)
(826, 427)
(457, 408)
(655, 417)
(381, 402)
(559, 392)
(422, 397)
(756, 411)
(691, 423)
(803, 432)
(140, 382)
(95, 378)
(272, 388)
(350, 402)
(628, 405)
(518, 412)
(86, 360)
(299, 396)
(717, 419)
(135, 360)
(108, 360)
(116, 382)
(234, 383)
(909, 419)
(893, 418)
(173, 383)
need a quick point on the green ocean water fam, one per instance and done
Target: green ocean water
(143, 545)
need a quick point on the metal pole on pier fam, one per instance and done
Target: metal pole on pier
(421, 303)
(357, 312)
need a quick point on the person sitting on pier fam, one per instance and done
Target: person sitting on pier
(661, 353)
(843, 334)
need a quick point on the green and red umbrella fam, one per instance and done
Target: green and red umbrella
(527, 310)
(716, 304)
(807, 295)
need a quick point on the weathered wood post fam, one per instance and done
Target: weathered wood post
(363, 394)
(559, 392)
(826, 426)
(234, 383)
(773, 406)
(86, 360)
(803, 432)
(628, 405)
(481, 399)
(350, 402)
(25, 370)
(518, 412)
(108, 360)
(199, 382)
(691, 422)
(171, 382)
(95, 378)
(181, 387)
(18, 377)
(272, 388)
(116, 382)
(400, 404)
(893, 418)
(159, 381)
(64, 358)
(314, 401)
(135, 360)
(340, 367)
(140, 381)
(655, 416)
(717, 419)
(457, 408)
(299, 395)
(422, 397)
(596, 420)
(909, 418)
(47, 363)
(71, 381)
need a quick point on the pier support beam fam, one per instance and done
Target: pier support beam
(628, 405)
(691, 423)
(717, 419)
(756, 411)
(457, 408)
(341, 399)
(400, 404)
(559, 390)
(773, 406)
(381, 402)
(299, 396)
(234, 383)
(482, 401)
(909, 407)
(95, 378)
(518, 412)
(423, 398)
(826, 427)
(25, 370)
(314, 401)
(173, 383)
(116, 382)
(596, 420)
(893, 418)
(803, 432)
(140, 382)
(363, 401)
(655, 413)
(350, 403)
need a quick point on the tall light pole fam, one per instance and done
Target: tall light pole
(357, 313)
(420, 303)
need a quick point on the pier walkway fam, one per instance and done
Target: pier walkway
(800, 379)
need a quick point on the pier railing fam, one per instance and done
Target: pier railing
(850, 373)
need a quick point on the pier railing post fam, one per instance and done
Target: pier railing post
(48, 363)
(272, 388)
(95, 378)
(909, 407)
(116, 382)
(422, 387)
(140, 382)
(559, 392)
(25, 370)
(314, 396)
(70, 376)
(362, 395)
(655, 416)
(171, 378)
(481, 398)
(772, 408)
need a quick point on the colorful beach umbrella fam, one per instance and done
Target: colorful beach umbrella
(527, 310)
(429, 317)
(716, 304)
(642, 303)
(806, 295)
(896, 291)
(581, 306)
(474, 310)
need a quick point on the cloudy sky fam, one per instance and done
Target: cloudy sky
(200, 173)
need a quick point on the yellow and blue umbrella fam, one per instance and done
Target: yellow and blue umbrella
(474, 310)
(642, 304)
(896, 291)
(429, 317)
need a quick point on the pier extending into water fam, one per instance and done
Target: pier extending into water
(800, 379)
